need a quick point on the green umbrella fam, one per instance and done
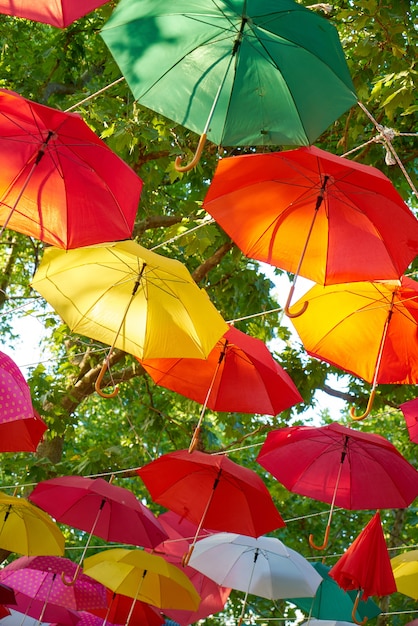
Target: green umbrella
(332, 602)
(241, 72)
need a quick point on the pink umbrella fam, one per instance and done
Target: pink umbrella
(213, 596)
(410, 412)
(21, 428)
(28, 606)
(57, 13)
(40, 577)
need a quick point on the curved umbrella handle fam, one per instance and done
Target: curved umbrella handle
(99, 379)
(196, 158)
(366, 412)
(186, 557)
(73, 580)
(195, 440)
(324, 545)
(303, 309)
(353, 612)
(287, 305)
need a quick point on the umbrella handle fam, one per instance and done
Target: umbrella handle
(196, 158)
(195, 440)
(366, 412)
(324, 545)
(99, 379)
(353, 612)
(287, 305)
(72, 582)
(186, 557)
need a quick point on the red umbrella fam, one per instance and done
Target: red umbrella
(213, 596)
(366, 566)
(211, 491)
(7, 595)
(39, 610)
(239, 375)
(316, 214)
(99, 508)
(121, 608)
(57, 13)
(341, 466)
(410, 412)
(59, 182)
(21, 428)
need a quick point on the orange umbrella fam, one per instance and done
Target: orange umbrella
(239, 375)
(368, 329)
(366, 566)
(59, 13)
(316, 214)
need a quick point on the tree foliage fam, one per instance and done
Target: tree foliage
(89, 435)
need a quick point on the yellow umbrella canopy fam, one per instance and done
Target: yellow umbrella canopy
(405, 571)
(143, 576)
(27, 530)
(131, 298)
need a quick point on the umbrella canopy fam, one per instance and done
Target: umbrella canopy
(340, 465)
(316, 214)
(143, 576)
(99, 507)
(16, 618)
(26, 529)
(41, 577)
(410, 412)
(212, 491)
(405, 571)
(326, 622)
(7, 595)
(239, 71)
(30, 609)
(368, 329)
(60, 13)
(59, 182)
(365, 565)
(333, 603)
(121, 608)
(239, 375)
(213, 596)
(99, 289)
(21, 428)
(261, 566)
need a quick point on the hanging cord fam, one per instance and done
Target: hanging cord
(387, 135)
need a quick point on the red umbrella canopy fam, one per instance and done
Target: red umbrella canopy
(353, 223)
(213, 596)
(239, 375)
(40, 577)
(21, 428)
(40, 610)
(59, 182)
(99, 507)
(60, 13)
(120, 607)
(213, 491)
(410, 412)
(366, 564)
(308, 459)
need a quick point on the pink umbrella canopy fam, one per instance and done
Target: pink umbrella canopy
(100, 508)
(21, 428)
(41, 577)
(40, 610)
(410, 412)
(213, 596)
(59, 13)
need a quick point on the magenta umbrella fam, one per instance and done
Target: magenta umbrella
(21, 428)
(99, 508)
(213, 596)
(29, 607)
(41, 578)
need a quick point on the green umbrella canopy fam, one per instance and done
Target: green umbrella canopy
(333, 603)
(243, 72)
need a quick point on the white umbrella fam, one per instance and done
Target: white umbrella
(325, 622)
(261, 566)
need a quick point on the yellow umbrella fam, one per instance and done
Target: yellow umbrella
(27, 530)
(405, 571)
(143, 576)
(126, 296)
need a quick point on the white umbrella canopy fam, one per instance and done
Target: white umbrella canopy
(325, 622)
(261, 566)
